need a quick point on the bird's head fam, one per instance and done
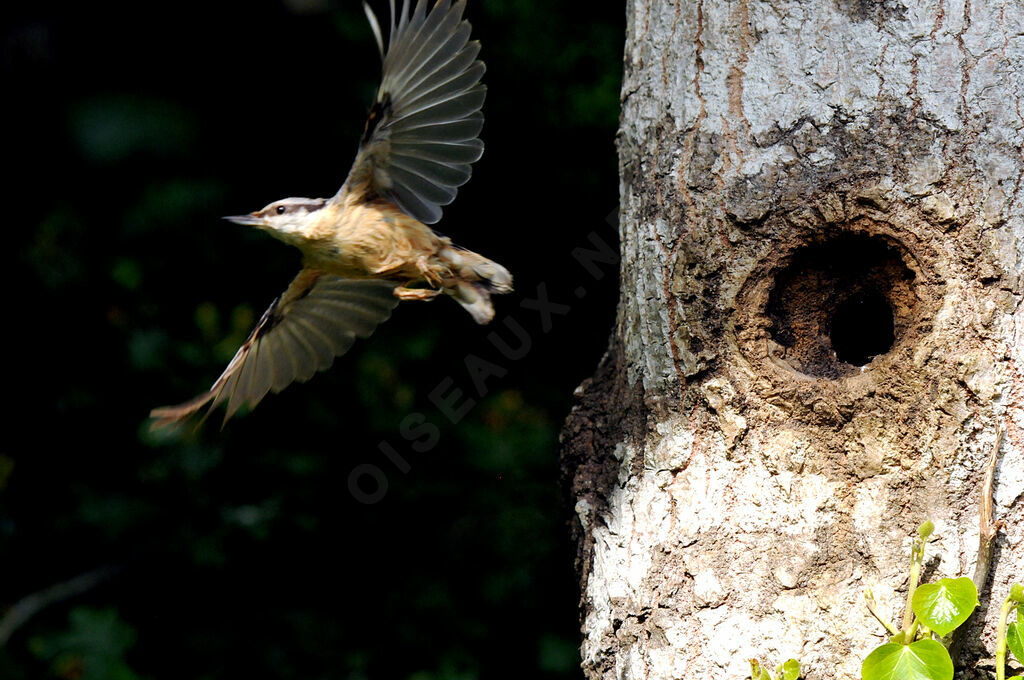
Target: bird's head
(288, 219)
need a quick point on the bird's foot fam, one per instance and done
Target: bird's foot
(406, 293)
(429, 274)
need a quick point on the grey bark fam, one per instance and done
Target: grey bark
(737, 484)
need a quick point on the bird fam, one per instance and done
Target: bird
(371, 245)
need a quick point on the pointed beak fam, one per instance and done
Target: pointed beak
(250, 220)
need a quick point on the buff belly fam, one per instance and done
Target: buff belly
(375, 240)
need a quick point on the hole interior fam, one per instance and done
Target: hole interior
(862, 328)
(837, 304)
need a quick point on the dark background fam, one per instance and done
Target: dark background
(243, 552)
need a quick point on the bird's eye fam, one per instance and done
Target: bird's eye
(280, 210)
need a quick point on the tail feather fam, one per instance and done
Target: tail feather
(475, 279)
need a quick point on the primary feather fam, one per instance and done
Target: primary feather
(315, 320)
(424, 127)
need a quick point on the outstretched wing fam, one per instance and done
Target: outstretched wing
(423, 130)
(315, 320)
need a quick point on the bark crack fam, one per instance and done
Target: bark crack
(1020, 116)
(699, 65)
(912, 93)
(881, 71)
(966, 65)
(734, 81)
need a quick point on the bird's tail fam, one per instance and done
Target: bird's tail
(475, 278)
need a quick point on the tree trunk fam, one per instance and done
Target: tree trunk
(819, 332)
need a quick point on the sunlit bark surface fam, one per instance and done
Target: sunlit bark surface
(820, 329)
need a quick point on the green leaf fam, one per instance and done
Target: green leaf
(1016, 677)
(945, 605)
(789, 670)
(1017, 592)
(923, 660)
(925, 530)
(1015, 641)
(758, 672)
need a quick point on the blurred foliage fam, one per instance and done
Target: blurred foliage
(243, 552)
(92, 648)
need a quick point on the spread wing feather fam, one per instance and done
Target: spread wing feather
(317, 319)
(423, 131)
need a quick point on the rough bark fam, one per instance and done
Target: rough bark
(737, 485)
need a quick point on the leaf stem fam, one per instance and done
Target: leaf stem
(869, 599)
(1008, 605)
(916, 560)
(912, 631)
(1011, 603)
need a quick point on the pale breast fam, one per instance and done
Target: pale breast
(371, 240)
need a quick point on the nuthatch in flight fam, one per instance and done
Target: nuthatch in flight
(369, 246)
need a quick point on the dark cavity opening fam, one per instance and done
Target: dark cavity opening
(862, 328)
(833, 308)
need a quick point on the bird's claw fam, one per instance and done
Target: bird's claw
(406, 293)
(429, 274)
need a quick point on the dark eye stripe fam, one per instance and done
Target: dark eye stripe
(294, 205)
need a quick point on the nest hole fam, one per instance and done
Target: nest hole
(839, 304)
